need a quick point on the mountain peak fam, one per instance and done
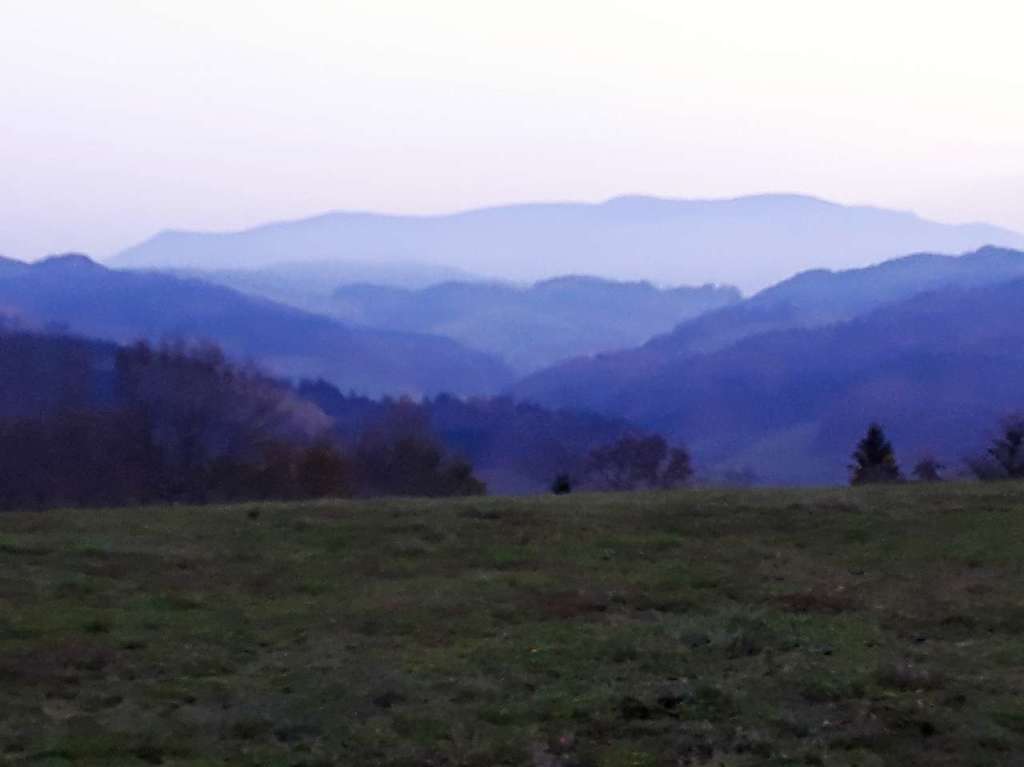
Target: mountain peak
(8, 263)
(68, 261)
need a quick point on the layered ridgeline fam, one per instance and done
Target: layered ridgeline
(78, 294)
(310, 285)
(534, 326)
(750, 241)
(784, 381)
(528, 326)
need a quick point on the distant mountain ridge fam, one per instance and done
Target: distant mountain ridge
(781, 383)
(747, 241)
(784, 381)
(309, 285)
(75, 292)
(807, 300)
(532, 326)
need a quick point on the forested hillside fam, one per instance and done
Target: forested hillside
(85, 422)
(784, 382)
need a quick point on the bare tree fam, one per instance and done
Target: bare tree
(634, 462)
(928, 469)
(1008, 449)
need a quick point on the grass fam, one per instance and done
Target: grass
(833, 627)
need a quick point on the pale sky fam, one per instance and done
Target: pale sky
(121, 118)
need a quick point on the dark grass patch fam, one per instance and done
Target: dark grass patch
(908, 676)
(15, 548)
(819, 600)
(573, 604)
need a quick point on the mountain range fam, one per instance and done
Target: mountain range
(779, 384)
(75, 293)
(750, 242)
(784, 381)
(533, 326)
(310, 284)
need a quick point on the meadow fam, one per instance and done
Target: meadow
(867, 626)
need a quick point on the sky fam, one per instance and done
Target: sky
(122, 118)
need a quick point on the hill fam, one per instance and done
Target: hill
(869, 626)
(749, 241)
(808, 300)
(92, 300)
(821, 297)
(535, 326)
(938, 369)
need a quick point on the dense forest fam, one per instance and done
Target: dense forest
(86, 422)
(90, 423)
(518, 446)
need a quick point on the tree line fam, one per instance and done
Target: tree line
(874, 460)
(177, 423)
(86, 423)
(90, 423)
(518, 439)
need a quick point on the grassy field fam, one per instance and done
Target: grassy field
(839, 627)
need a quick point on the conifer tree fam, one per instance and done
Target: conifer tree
(874, 459)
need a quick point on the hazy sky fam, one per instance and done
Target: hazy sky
(119, 119)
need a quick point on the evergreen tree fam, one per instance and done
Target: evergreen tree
(874, 459)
